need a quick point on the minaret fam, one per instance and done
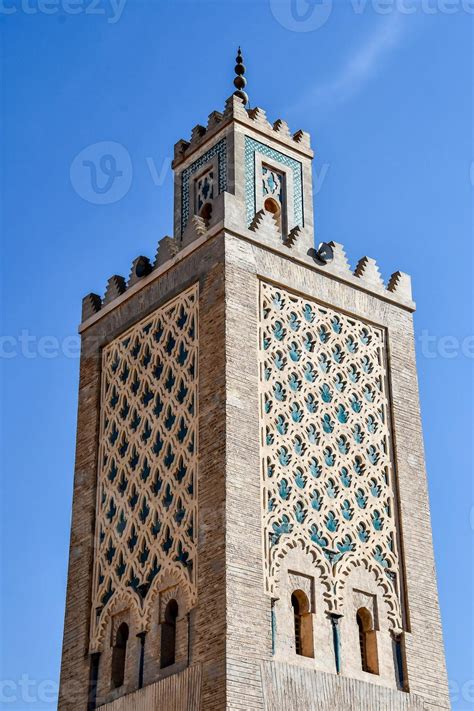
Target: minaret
(251, 524)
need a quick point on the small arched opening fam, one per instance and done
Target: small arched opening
(119, 655)
(274, 208)
(303, 624)
(367, 641)
(206, 212)
(168, 635)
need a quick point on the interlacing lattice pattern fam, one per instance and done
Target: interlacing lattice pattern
(326, 465)
(147, 506)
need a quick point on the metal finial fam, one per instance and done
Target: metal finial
(240, 81)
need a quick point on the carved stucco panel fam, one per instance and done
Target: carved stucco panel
(147, 473)
(327, 471)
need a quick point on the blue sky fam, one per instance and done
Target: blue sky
(387, 97)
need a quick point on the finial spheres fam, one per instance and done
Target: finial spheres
(240, 81)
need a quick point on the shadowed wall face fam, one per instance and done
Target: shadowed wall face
(146, 500)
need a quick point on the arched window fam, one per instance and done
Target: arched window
(274, 208)
(303, 624)
(168, 635)
(206, 212)
(119, 655)
(367, 642)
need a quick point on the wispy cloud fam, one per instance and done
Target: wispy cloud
(360, 66)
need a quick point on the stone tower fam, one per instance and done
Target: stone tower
(251, 527)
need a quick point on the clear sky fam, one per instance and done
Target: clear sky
(387, 96)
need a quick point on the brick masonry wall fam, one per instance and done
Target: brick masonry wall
(230, 631)
(293, 688)
(75, 659)
(180, 692)
(208, 619)
(248, 628)
(248, 609)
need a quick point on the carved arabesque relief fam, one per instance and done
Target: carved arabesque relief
(328, 479)
(147, 501)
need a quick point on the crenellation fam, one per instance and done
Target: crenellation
(400, 284)
(180, 149)
(367, 271)
(168, 248)
(116, 286)
(367, 276)
(292, 237)
(303, 138)
(259, 117)
(266, 228)
(234, 109)
(255, 118)
(91, 304)
(197, 135)
(340, 261)
(196, 228)
(281, 127)
(214, 120)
